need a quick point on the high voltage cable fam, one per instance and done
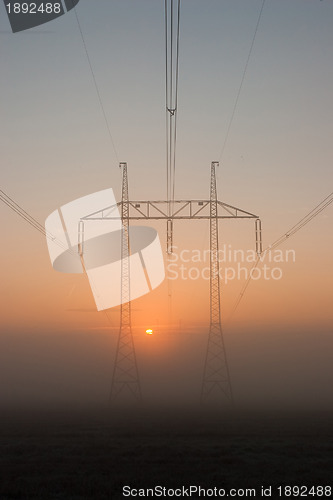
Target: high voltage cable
(300, 224)
(172, 29)
(176, 103)
(311, 215)
(21, 212)
(35, 224)
(7, 200)
(95, 84)
(242, 82)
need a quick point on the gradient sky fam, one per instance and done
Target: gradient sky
(277, 163)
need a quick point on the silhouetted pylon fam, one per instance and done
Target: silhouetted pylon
(125, 385)
(216, 385)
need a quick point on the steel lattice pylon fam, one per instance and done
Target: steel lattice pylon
(216, 379)
(125, 381)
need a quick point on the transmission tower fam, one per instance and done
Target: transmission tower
(216, 379)
(125, 381)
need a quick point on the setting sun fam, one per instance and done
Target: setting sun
(149, 331)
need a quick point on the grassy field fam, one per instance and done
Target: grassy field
(94, 454)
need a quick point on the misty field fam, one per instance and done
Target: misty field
(94, 454)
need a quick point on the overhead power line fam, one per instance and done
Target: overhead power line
(7, 200)
(21, 212)
(96, 85)
(172, 29)
(242, 81)
(308, 218)
(294, 229)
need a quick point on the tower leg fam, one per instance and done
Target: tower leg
(216, 385)
(125, 381)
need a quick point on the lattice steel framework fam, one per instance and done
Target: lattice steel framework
(216, 378)
(125, 381)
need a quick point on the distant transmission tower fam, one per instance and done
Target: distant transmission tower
(216, 379)
(125, 382)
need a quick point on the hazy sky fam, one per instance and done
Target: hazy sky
(277, 163)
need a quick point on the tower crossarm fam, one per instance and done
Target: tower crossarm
(180, 210)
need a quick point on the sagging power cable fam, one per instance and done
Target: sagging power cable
(294, 229)
(172, 28)
(241, 82)
(96, 85)
(7, 200)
